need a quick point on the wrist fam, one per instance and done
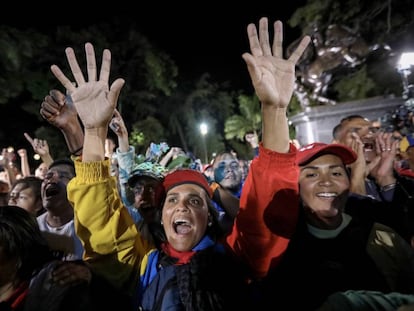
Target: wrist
(77, 152)
(382, 182)
(388, 187)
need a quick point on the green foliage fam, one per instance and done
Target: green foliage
(144, 132)
(248, 120)
(16, 63)
(356, 85)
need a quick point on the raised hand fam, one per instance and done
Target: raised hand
(94, 100)
(117, 125)
(386, 148)
(40, 146)
(59, 110)
(273, 77)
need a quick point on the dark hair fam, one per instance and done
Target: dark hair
(21, 239)
(64, 161)
(337, 128)
(352, 117)
(32, 182)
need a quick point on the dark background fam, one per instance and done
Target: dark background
(199, 36)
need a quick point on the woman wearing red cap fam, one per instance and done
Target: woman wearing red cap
(314, 239)
(190, 270)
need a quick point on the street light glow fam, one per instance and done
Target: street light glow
(404, 68)
(203, 128)
(204, 131)
(406, 61)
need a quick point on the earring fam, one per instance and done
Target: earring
(209, 223)
(162, 224)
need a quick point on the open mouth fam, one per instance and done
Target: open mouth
(51, 190)
(368, 146)
(181, 226)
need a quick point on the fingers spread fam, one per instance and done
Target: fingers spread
(91, 61)
(62, 78)
(300, 49)
(255, 48)
(74, 66)
(106, 66)
(264, 37)
(278, 39)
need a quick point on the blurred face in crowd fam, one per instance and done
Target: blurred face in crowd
(324, 187)
(185, 216)
(25, 197)
(54, 185)
(41, 170)
(145, 197)
(227, 171)
(366, 131)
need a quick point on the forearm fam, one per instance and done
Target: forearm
(47, 159)
(94, 144)
(74, 138)
(358, 182)
(275, 129)
(126, 162)
(166, 159)
(123, 143)
(25, 167)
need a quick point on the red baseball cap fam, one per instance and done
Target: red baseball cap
(311, 151)
(186, 176)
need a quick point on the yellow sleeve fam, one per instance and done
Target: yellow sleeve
(113, 245)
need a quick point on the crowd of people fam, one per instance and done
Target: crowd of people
(324, 226)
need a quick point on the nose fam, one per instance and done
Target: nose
(325, 181)
(49, 175)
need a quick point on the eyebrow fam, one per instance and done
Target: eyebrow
(318, 167)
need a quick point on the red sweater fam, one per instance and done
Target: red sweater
(269, 206)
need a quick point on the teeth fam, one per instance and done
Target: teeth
(327, 195)
(180, 222)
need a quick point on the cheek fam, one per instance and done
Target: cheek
(343, 185)
(165, 215)
(218, 174)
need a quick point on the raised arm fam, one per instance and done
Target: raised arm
(269, 200)
(273, 79)
(91, 95)
(113, 245)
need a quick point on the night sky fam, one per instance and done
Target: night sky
(199, 36)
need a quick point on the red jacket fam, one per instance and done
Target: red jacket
(269, 206)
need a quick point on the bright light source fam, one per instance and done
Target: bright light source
(406, 61)
(203, 128)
